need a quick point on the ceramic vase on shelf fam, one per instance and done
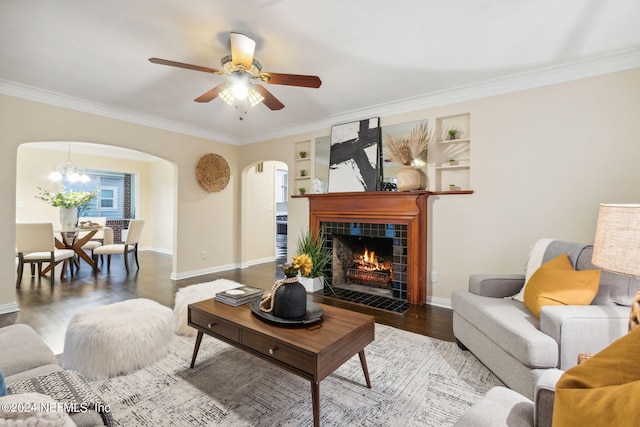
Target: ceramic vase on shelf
(411, 178)
(68, 218)
(290, 300)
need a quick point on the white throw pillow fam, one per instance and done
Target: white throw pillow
(534, 261)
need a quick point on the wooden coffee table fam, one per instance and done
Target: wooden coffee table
(313, 352)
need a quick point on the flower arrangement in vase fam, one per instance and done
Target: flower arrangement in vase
(68, 201)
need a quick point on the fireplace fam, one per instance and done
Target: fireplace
(348, 241)
(391, 224)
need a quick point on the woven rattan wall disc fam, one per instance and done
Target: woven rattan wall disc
(212, 173)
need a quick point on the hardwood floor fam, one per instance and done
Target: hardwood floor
(49, 312)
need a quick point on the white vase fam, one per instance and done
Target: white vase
(68, 218)
(311, 284)
(411, 178)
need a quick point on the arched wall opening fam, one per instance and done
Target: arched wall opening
(153, 192)
(264, 199)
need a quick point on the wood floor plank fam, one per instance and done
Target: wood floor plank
(49, 311)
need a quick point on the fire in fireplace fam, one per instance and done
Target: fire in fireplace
(369, 269)
(363, 260)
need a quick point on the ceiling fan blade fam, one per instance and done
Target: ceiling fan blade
(212, 94)
(291, 79)
(269, 100)
(242, 50)
(183, 65)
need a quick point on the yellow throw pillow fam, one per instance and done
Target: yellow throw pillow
(604, 390)
(557, 283)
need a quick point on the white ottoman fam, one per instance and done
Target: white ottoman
(194, 293)
(118, 338)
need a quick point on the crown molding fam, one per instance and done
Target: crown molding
(576, 70)
(31, 93)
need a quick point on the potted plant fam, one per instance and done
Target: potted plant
(452, 133)
(303, 172)
(302, 190)
(68, 201)
(303, 154)
(311, 244)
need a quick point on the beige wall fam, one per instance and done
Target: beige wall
(204, 221)
(154, 190)
(260, 207)
(542, 161)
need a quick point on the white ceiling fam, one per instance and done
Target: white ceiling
(374, 57)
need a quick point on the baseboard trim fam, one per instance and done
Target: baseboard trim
(202, 272)
(218, 269)
(12, 307)
(439, 302)
(257, 261)
(158, 250)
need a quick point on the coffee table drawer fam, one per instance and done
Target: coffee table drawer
(282, 352)
(216, 325)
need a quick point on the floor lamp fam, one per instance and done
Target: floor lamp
(617, 245)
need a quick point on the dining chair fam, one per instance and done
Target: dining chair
(35, 244)
(102, 236)
(129, 246)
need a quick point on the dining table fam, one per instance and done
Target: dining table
(75, 239)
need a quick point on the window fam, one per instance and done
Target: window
(116, 194)
(108, 198)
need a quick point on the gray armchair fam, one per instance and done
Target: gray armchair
(519, 347)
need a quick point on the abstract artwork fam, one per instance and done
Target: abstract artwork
(355, 156)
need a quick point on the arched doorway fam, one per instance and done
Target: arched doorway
(264, 210)
(153, 191)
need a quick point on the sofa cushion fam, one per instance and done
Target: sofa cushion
(556, 283)
(618, 289)
(30, 373)
(604, 390)
(30, 351)
(510, 325)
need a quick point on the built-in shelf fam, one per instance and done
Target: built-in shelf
(302, 163)
(457, 150)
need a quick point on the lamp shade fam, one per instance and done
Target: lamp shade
(617, 243)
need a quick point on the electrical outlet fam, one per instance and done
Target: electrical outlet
(434, 277)
(203, 255)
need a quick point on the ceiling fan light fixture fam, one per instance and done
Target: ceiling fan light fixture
(240, 90)
(255, 97)
(227, 95)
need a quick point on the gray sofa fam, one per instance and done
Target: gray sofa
(517, 346)
(25, 356)
(504, 407)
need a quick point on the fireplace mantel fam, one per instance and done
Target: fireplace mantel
(407, 207)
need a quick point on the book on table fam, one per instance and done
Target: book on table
(239, 296)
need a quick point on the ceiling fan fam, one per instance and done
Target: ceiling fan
(242, 68)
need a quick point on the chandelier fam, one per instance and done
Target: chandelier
(68, 172)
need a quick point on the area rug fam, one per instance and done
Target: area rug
(417, 381)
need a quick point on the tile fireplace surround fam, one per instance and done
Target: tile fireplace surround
(400, 215)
